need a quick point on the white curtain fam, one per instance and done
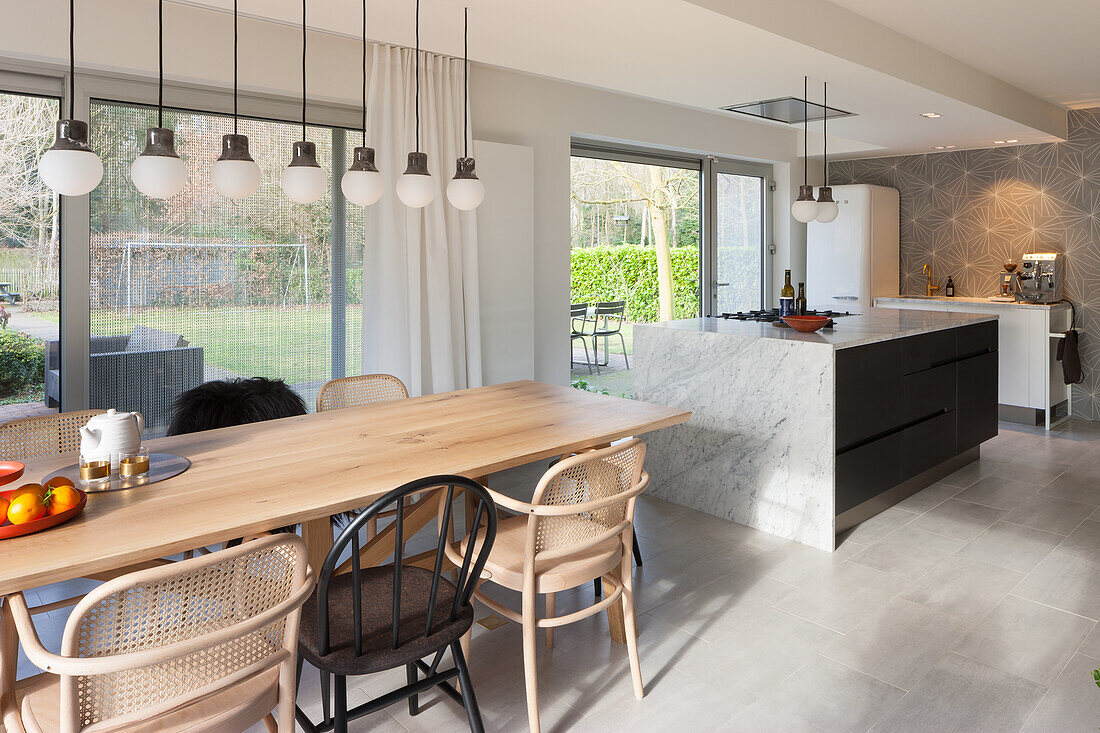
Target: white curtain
(420, 286)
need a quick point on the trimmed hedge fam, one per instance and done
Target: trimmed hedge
(22, 362)
(629, 272)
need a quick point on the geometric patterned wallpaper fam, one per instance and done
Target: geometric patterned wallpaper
(969, 211)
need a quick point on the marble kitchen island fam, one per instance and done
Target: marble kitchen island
(805, 435)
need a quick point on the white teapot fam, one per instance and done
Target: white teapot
(113, 432)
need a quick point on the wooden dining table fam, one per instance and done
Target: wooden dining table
(252, 478)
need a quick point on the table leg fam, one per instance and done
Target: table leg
(9, 657)
(317, 534)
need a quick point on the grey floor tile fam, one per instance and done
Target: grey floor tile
(1011, 546)
(1049, 514)
(822, 696)
(1038, 473)
(898, 643)
(959, 520)
(1072, 703)
(963, 587)
(1077, 486)
(1064, 582)
(1091, 645)
(907, 552)
(1083, 542)
(971, 472)
(878, 526)
(927, 498)
(998, 491)
(1026, 639)
(709, 610)
(960, 695)
(801, 565)
(843, 596)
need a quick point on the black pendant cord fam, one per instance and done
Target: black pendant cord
(418, 76)
(72, 59)
(805, 131)
(303, 69)
(825, 132)
(234, 67)
(364, 73)
(160, 61)
(465, 80)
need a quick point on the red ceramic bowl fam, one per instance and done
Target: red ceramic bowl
(805, 324)
(7, 529)
(10, 471)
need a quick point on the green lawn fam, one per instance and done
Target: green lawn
(294, 343)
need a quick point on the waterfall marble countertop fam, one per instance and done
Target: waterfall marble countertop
(880, 324)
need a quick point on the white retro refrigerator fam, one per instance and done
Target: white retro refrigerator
(853, 260)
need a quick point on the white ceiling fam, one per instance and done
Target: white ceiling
(1050, 49)
(681, 52)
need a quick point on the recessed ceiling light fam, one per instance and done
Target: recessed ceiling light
(930, 115)
(998, 142)
(950, 146)
(940, 147)
(1012, 141)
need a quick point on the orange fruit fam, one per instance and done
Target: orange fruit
(36, 489)
(26, 508)
(61, 498)
(60, 481)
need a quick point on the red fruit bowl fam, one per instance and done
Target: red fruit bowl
(806, 324)
(10, 471)
(7, 529)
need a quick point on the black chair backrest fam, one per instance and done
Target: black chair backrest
(467, 575)
(608, 311)
(578, 310)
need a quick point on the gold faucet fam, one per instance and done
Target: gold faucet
(932, 287)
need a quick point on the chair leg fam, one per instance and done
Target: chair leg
(530, 670)
(637, 552)
(412, 676)
(587, 360)
(625, 357)
(631, 625)
(595, 354)
(341, 704)
(326, 696)
(469, 701)
(550, 598)
(597, 587)
(464, 642)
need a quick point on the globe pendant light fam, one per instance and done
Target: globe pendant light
(69, 167)
(415, 187)
(804, 207)
(827, 210)
(235, 175)
(158, 172)
(303, 180)
(465, 191)
(363, 184)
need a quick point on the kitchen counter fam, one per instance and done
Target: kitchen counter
(925, 299)
(849, 331)
(795, 434)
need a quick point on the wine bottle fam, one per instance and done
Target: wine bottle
(786, 296)
(800, 301)
(949, 289)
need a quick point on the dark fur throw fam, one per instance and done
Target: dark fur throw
(237, 402)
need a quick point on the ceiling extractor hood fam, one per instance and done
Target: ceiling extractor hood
(791, 110)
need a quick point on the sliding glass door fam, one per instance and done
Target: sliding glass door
(199, 287)
(738, 244)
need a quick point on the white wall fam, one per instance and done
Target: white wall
(507, 107)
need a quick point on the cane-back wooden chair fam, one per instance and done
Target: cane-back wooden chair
(577, 528)
(206, 644)
(365, 389)
(26, 438)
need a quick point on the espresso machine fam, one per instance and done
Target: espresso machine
(1040, 278)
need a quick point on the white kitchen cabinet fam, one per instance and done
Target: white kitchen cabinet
(1030, 384)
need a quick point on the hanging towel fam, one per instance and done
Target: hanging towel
(1070, 357)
